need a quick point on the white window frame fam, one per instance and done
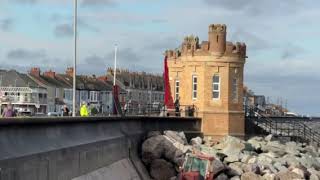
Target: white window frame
(177, 89)
(218, 90)
(194, 91)
(234, 91)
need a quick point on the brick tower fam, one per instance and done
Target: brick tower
(210, 76)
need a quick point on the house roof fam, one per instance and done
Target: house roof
(138, 80)
(16, 79)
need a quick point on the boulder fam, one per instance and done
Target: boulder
(250, 176)
(292, 148)
(287, 175)
(160, 169)
(152, 148)
(269, 138)
(255, 168)
(176, 136)
(265, 159)
(217, 166)
(279, 166)
(235, 178)
(300, 172)
(269, 176)
(221, 176)
(309, 162)
(153, 133)
(314, 173)
(234, 169)
(196, 141)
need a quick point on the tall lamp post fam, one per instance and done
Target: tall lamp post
(75, 59)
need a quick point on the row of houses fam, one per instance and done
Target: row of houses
(35, 92)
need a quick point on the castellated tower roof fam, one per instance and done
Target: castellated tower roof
(217, 45)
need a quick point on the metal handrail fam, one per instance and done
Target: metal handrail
(294, 128)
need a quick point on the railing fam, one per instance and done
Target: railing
(159, 110)
(296, 129)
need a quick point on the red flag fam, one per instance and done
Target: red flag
(168, 100)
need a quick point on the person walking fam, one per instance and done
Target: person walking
(65, 111)
(84, 110)
(8, 111)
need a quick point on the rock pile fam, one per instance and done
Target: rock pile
(164, 154)
(257, 158)
(265, 158)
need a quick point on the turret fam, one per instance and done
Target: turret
(217, 38)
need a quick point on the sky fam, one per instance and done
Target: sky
(281, 36)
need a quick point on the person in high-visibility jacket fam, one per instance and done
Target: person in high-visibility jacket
(84, 110)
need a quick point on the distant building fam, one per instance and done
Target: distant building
(209, 75)
(26, 95)
(55, 88)
(90, 89)
(143, 90)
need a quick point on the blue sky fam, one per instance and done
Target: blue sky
(282, 38)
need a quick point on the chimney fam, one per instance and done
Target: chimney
(35, 71)
(103, 78)
(69, 71)
(50, 74)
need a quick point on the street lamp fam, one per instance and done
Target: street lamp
(75, 59)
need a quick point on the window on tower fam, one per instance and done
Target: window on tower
(234, 91)
(216, 87)
(194, 87)
(177, 89)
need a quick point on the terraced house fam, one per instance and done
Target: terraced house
(27, 96)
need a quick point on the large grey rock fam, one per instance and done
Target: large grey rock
(265, 159)
(314, 174)
(235, 178)
(255, 168)
(300, 172)
(152, 149)
(234, 169)
(279, 166)
(257, 142)
(153, 133)
(292, 148)
(176, 136)
(217, 166)
(250, 176)
(269, 176)
(196, 141)
(160, 169)
(287, 175)
(221, 176)
(309, 162)
(275, 147)
(270, 137)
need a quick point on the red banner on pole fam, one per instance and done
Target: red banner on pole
(168, 100)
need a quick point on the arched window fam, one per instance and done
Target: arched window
(216, 87)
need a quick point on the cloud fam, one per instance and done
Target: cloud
(163, 44)
(63, 30)
(254, 42)
(291, 51)
(26, 54)
(254, 7)
(25, 1)
(6, 24)
(97, 3)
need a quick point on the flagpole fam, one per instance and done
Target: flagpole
(75, 59)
